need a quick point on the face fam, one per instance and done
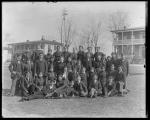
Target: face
(109, 58)
(50, 51)
(60, 78)
(79, 79)
(51, 69)
(95, 77)
(18, 58)
(118, 56)
(92, 69)
(112, 67)
(80, 48)
(99, 57)
(119, 69)
(83, 70)
(58, 48)
(69, 59)
(65, 49)
(103, 68)
(65, 69)
(110, 80)
(41, 56)
(62, 59)
(113, 56)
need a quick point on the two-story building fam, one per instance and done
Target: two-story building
(130, 42)
(22, 47)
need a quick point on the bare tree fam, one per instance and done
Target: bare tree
(67, 31)
(118, 20)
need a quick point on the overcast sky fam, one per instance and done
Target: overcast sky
(23, 21)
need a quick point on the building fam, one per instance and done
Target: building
(130, 42)
(42, 44)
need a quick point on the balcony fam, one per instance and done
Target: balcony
(129, 42)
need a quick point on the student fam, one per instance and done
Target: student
(81, 55)
(41, 66)
(60, 66)
(90, 75)
(120, 80)
(57, 54)
(49, 56)
(16, 69)
(112, 72)
(69, 64)
(72, 76)
(39, 92)
(102, 77)
(89, 54)
(108, 64)
(65, 54)
(83, 76)
(88, 61)
(51, 75)
(79, 66)
(111, 86)
(114, 60)
(80, 87)
(97, 53)
(94, 88)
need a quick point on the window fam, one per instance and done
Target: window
(119, 36)
(127, 35)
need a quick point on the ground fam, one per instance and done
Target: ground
(132, 105)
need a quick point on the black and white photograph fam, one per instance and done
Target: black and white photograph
(74, 59)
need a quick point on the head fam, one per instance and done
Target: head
(51, 69)
(52, 59)
(61, 59)
(64, 49)
(83, 70)
(92, 69)
(69, 59)
(110, 80)
(74, 51)
(108, 58)
(65, 69)
(113, 55)
(80, 48)
(89, 49)
(19, 57)
(88, 55)
(74, 70)
(79, 62)
(103, 68)
(118, 56)
(41, 56)
(99, 57)
(112, 67)
(49, 51)
(97, 49)
(60, 77)
(58, 48)
(95, 77)
(78, 79)
(122, 57)
(71, 83)
(119, 69)
(40, 75)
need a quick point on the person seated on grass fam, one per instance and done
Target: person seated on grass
(80, 87)
(94, 87)
(39, 92)
(120, 81)
(111, 86)
(83, 76)
(51, 75)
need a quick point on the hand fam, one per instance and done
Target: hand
(14, 72)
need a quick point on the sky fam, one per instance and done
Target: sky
(23, 21)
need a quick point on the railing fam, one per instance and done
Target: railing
(129, 41)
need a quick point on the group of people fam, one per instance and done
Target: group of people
(64, 74)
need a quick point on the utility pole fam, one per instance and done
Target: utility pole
(63, 29)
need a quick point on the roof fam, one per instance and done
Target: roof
(129, 29)
(38, 41)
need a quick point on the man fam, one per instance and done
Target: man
(81, 55)
(41, 67)
(114, 60)
(80, 87)
(97, 53)
(120, 80)
(60, 66)
(112, 72)
(89, 53)
(57, 54)
(16, 69)
(88, 62)
(102, 77)
(49, 56)
(74, 58)
(125, 68)
(65, 54)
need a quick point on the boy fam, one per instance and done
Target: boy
(112, 72)
(120, 80)
(60, 66)
(79, 66)
(111, 86)
(83, 76)
(80, 87)
(69, 64)
(94, 87)
(102, 77)
(51, 75)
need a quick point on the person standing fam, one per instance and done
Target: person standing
(16, 69)
(81, 55)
